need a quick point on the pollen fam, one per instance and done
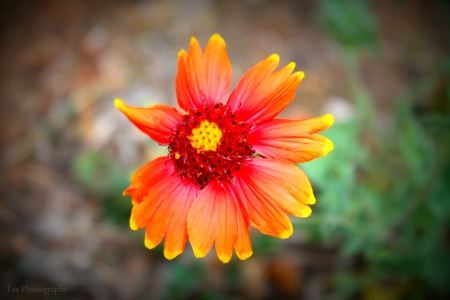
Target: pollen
(206, 137)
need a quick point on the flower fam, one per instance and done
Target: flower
(229, 165)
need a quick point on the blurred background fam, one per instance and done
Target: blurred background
(381, 225)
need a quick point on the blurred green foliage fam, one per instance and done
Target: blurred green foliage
(189, 281)
(95, 172)
(349, 22)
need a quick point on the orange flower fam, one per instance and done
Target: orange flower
(229, 165)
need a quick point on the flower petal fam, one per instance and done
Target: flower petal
(154, 183)
(262, 93)
(271, 189)
(161, 207)
(164, 212)
(243, 245)
(203, 78)
(176, 231)
(156, 120)
(292, 140)
(148, 175)
(215, 216)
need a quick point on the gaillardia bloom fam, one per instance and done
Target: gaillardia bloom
(229, 165)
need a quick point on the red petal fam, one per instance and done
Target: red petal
(262, 93)
(292, 140)
(215, 216)
(157, 121)
(203, 78)
(271, 189)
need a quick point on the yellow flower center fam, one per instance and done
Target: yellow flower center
(206, 137)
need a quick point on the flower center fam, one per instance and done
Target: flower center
(209, 144)
(206, 137)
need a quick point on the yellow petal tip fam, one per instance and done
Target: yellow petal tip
(300, 75)
(311, 200)
(328, 119)
(170, 254)
(118, 103)
(217, 37)
(244, 255)
(328, 146)
(149, 244)
(198, 253)
(224, 257)
(287, 233)
(181, 53)
(307, 211)
(193, 41)
(274, 57)
(291, 65)
(133, 224)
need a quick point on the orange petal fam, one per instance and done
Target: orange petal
(143, 210)
(176, 231)
(243, 245)
(292, 140)
(167, 204)
(203, 78)
(262, 93)
(217, 69)
(164, 210)
(216, 217)
(271, 189)
(147, 176)
(157, 121)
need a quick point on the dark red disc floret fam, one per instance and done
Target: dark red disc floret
(201, 167)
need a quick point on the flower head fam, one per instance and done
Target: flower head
(229, 165)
